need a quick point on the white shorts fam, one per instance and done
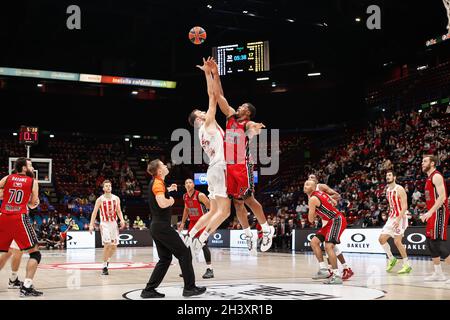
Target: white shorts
(110, 232)
(217, 182)
(390, 230)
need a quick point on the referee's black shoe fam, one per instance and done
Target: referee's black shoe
(151, 294)
(105, 271)
(196, 291)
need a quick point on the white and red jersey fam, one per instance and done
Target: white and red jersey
(108, 208)
(212, 143)
(395, 203)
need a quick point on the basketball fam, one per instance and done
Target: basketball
(197, 35)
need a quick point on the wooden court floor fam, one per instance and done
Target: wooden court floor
(76, 274)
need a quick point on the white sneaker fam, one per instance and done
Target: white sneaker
(334, 279)
(251, 244)
(187, 240)
(436, 277)
(196, 247)
(322, 274)
(267, 239)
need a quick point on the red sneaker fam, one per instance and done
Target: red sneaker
(347, 274)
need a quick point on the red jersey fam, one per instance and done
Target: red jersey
(194, 206)
(236, 142)
(326, 210)
(108, 208)
(431, 192)
(395, 205)
(17, 193)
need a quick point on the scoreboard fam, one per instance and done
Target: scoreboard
(244, 57)
(28, 135)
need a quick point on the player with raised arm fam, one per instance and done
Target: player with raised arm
(211, 138)
(240, 185)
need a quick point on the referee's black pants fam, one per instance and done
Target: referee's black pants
(169, 243)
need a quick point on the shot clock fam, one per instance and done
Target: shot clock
(28, 135)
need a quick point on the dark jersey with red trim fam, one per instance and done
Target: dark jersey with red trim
(16, 194)
(236, 142)
(326, 210)
(194, 206)
(431, 193)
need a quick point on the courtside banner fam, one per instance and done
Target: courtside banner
(220, 239)
(366, 241)
(80, 240)
(129, 238)
(237, 238)
(352, 240)
(415, 242)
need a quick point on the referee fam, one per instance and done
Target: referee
(167, 240)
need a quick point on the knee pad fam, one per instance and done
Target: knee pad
(435, 247)
(36, 256)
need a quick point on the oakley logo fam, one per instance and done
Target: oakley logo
(358, 237)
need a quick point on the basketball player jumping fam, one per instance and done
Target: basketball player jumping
(16, 254)
(211, 138)
(321, 204)
(20, 192)
(195, 203)
(323, 272)
(396, 224)
(109, 206)
(436, 217)
(240, 184)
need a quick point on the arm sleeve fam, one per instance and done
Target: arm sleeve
(158, 188)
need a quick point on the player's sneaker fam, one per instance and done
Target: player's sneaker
(196, 247)
(29, 292)
(405, 269)
(187, 240)
(105, 271)
(347, 273)
(208, 274)
(251, 244)
(436, 277)
(335, 279)
(391, 264)
(16, 284)
(267, 239)
(321, 274)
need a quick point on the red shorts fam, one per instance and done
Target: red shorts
(16, 227)
(240, 180)
(192, 224)
(333, 230)
(437, 225)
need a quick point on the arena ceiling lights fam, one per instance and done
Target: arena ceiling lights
(90, 78)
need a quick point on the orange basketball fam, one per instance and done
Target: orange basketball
(197, 35)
